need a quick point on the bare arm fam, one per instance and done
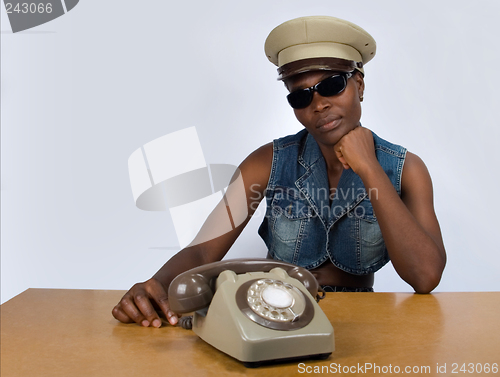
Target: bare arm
(143, 302)
(409, 225)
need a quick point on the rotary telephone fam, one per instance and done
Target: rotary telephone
(258, 311)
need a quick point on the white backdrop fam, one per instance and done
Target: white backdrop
(81, 93)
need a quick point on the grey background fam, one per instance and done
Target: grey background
(79, 94)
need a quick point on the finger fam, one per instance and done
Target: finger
(161, 299)
(129, 308)
(120, 315)
(172, 317)
(146, 308)
(344, 163)
(341, 158)
(338, 153)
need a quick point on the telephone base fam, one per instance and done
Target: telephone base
(257, 364)
(229, 328)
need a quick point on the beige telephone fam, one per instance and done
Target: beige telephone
(257, 311)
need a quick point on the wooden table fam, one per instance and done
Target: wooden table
(48, 332)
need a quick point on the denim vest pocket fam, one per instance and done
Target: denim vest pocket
(364, 210)
(365, 223)
(368, 235)
(289, 214)
(372, 246)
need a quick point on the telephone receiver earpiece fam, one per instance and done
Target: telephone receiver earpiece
(194, 289)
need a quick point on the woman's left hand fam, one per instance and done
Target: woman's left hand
(356, 150)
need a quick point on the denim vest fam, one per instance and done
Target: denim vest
(303, 228)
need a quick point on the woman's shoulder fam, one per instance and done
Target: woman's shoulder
(261, 155)
(256, 168)
(388, 147)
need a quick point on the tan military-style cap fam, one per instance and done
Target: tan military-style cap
(318, 43)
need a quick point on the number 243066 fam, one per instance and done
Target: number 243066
(474, 368)
(29, 8)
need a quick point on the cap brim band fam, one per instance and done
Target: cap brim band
(318, 64)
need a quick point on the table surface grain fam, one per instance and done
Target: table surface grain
(57, 332)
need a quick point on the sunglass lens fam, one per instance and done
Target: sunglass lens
(300, 98)
(332, 86)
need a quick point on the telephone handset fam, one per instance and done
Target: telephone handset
(255, 310)
(193, 289)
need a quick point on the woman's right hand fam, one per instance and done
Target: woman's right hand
(144, 303)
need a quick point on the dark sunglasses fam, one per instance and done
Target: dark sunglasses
(328, 87)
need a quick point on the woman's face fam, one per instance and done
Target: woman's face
(329, 118)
